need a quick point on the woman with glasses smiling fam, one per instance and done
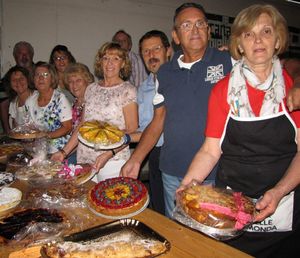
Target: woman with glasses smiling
(60, 58)
(19, 87)
(49, 108)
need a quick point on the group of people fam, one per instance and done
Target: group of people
(204, 114)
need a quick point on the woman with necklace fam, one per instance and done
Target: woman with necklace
(112, 99)
(49, 108)
(19, 89)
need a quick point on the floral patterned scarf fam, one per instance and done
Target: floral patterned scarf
(273, 87)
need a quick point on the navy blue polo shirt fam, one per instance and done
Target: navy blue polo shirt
(186, 93)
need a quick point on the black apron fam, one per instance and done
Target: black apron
(256, 154)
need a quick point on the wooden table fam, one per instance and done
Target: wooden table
(185, 242)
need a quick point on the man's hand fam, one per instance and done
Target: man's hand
(293, 98)
(130, 169)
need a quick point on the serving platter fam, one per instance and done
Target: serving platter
(216, 233)
(99, 146)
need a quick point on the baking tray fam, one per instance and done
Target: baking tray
(117, 229)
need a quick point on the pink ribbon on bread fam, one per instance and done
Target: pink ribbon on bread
(241, 217)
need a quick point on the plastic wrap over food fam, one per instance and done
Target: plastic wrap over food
(27, 130)
(39, 173)
(220, 213)
(30, 225)
(59, 193)
(18, 160)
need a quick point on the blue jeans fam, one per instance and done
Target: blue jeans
(170, 185)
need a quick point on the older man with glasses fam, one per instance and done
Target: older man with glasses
(184, 85)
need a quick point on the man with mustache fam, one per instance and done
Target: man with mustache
(155, 50)
(23, 53)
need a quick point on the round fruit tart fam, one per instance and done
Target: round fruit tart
(118, 196)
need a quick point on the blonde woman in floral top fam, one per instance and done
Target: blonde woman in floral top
(76, 78)
(49, 109)
(111, 99)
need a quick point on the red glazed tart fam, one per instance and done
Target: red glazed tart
(118, 196)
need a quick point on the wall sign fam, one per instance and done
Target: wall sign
(221, 28)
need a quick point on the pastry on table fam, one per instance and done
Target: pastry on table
(118, 196)
(120, 249)
(215, 207)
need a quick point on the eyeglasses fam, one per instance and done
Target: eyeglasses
(155, 50)
(266, 33)
(188, 26)
(44, 75)
(113, 59)
(60, 58)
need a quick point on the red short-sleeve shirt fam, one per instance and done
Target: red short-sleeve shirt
(218, 107)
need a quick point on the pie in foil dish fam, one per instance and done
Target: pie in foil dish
(100, 132)
(217, 208)
(112, 240)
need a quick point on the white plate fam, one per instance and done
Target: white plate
(9, 198)
(100, 146)
(123, 216)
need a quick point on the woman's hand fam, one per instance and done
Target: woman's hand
(58, 156)
(267, 204)
(102, 159)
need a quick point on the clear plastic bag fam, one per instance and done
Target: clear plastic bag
(50, 224)
(58, 194)
(220, 213)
